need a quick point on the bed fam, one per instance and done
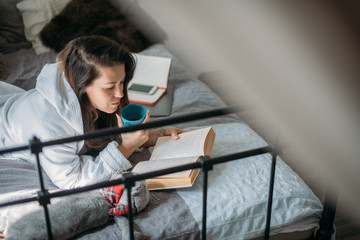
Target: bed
(237, 190)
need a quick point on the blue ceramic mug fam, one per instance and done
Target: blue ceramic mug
(132, 114)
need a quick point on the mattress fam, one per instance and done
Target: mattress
(237, 190)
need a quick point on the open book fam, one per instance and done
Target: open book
(170, 153)
(150, 71)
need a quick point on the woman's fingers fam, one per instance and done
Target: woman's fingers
(174, 132)
(119, 121)
(132, 140)
(147, 117)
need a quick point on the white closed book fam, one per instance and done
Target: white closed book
(150, 71)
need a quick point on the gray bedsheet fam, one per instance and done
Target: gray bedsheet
(237, 190)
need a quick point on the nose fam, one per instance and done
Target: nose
(118, 93)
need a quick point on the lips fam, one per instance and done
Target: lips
(116, 103)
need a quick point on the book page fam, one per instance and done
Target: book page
(152, 70)
(148, 166)
(189, 144)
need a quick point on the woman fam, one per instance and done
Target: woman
(83, 92)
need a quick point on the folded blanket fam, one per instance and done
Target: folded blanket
(69, 216)
(73, 214)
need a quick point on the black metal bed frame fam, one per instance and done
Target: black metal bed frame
(128, 179)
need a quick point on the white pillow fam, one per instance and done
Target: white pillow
(36, 14)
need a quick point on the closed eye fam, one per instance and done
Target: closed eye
(114, 84)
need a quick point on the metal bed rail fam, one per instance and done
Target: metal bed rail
(128, 179)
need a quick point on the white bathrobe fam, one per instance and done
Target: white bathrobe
(51, 111)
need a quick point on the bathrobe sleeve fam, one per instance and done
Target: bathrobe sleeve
(68, 170)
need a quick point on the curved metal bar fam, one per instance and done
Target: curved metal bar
(43, 198)
(207, 165)
(326, 228)
(270, 197)
(128, 185)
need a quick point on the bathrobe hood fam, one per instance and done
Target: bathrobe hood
(53, 86)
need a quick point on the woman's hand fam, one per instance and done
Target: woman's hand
(168, 131)
(132, 140)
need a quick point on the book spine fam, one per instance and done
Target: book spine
(148, 103)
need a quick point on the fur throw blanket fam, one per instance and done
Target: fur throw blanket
(4, 71)
(92, 17)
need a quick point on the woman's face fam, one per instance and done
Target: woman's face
(106, 91)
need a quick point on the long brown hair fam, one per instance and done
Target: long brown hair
(80, 61)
